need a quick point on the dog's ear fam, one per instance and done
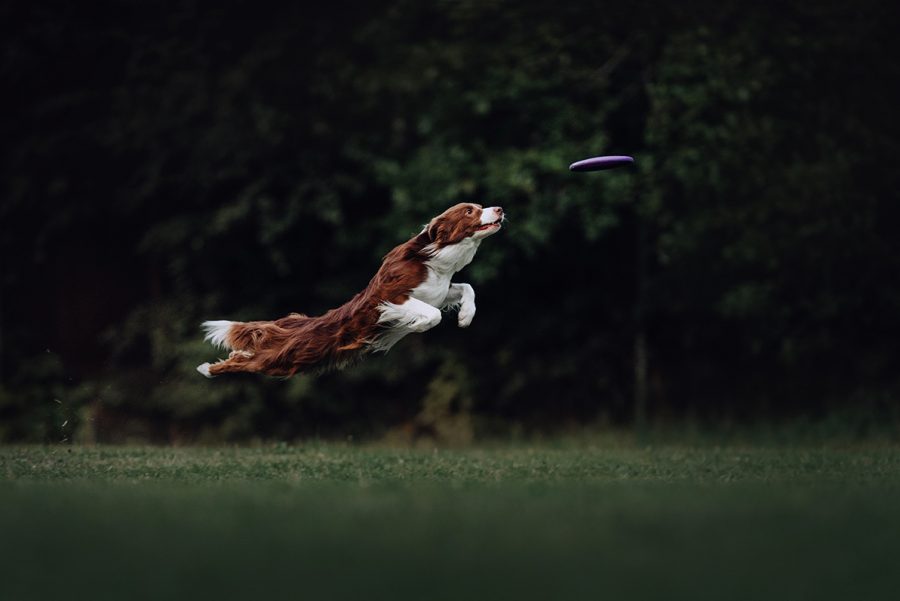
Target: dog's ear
(436, 228)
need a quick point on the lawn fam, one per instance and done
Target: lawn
(354, 522)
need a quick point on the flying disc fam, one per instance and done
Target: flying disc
(600, 163)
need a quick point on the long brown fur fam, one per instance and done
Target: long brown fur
(298, 343)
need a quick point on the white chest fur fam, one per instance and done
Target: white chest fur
(441, 267)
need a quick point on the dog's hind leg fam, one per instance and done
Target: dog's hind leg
(237, 361)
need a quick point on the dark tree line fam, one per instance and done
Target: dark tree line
(168, 163)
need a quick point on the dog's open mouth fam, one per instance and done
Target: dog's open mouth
(488, 225)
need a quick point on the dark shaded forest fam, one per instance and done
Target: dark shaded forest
(167, 163)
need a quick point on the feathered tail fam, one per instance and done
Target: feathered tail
(217, 333)
(284, 346)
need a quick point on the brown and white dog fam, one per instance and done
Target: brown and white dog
(407, 295)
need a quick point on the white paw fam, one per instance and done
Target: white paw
(466, 315)
(204, 369)
(423, 323)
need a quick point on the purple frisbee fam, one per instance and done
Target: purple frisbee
(600, 163)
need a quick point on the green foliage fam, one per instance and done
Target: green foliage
(166, 167)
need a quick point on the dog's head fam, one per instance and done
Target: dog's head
(464, 221)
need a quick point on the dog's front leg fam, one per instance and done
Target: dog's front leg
(412, 315)
(462, 296)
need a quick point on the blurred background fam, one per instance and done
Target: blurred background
(164, 163)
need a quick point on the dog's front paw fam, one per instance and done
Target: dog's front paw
(466, 315)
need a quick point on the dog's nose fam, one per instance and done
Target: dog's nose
(498, 211)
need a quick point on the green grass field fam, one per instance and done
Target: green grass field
(347, 522)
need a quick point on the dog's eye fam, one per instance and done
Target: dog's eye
(468, 211)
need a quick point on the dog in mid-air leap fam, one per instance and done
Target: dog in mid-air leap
(407, 295)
